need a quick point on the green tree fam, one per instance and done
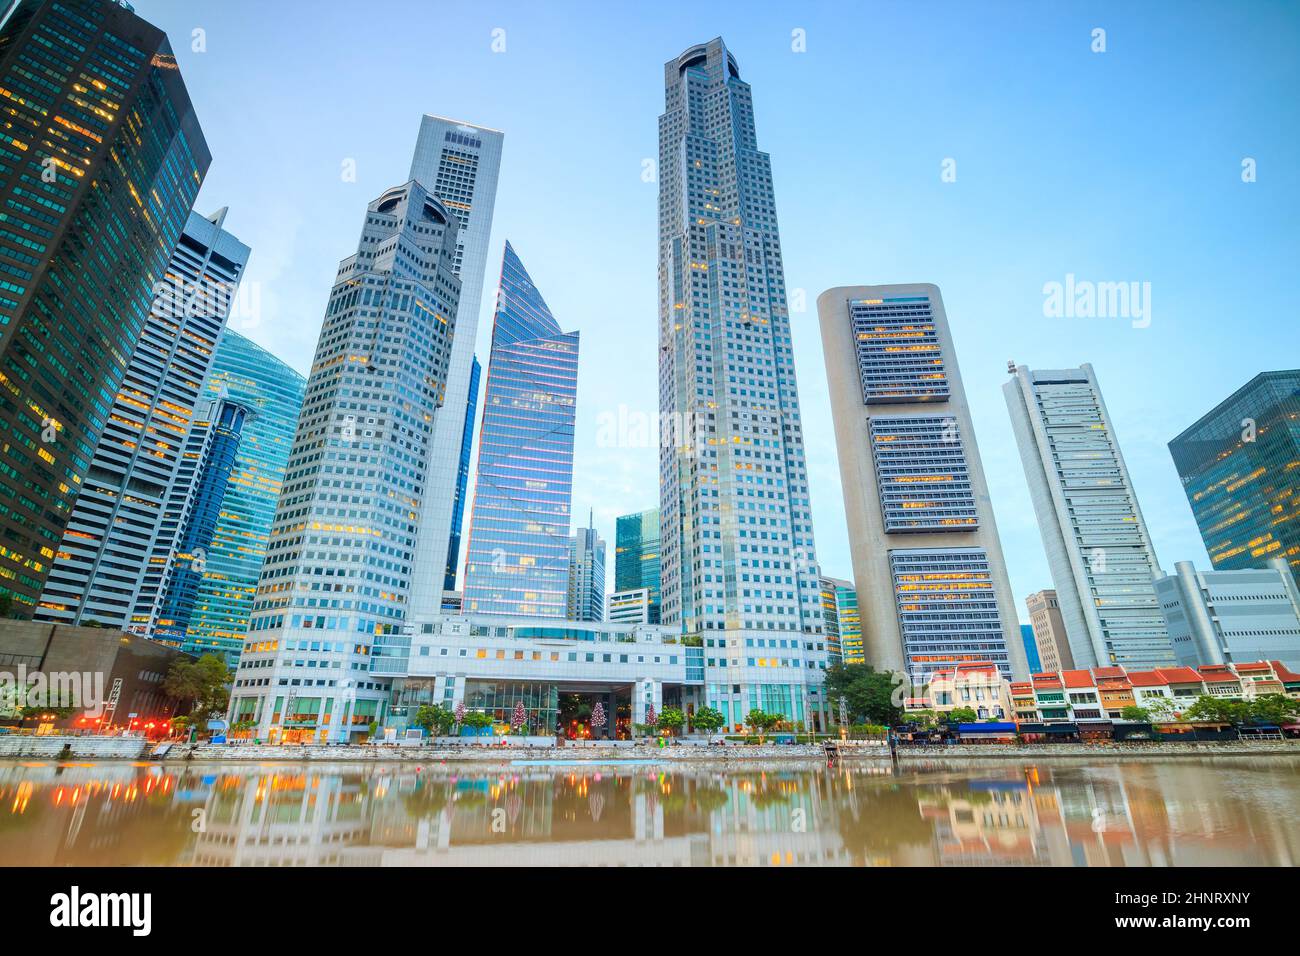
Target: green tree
(1216, 710)
(477, 719)
(962, 715)
(205, 683)
(1273, 709)
(760, 721)
(1161, 707)
(708, 719)
(1136, 713)
(869, 694)
(672, 720)
(434, 718)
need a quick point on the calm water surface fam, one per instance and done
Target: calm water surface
(1179, 812)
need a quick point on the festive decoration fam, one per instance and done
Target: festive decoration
(598, 719)
(460, 712)
(651, 718)
(518, 718)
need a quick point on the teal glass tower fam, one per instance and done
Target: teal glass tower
(517, 560)
(270, 392)
(636, 556)
(101, 157)
(1240, 468)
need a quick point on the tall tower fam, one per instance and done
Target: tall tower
(459, 163)
(517, 561)
(636, 556)
(932, 585)
(338, 573)
(1240, 468)
(244, 373)
(122, 534)
(738, 567)
(1098, 549)
(101, 157)
(586, 597)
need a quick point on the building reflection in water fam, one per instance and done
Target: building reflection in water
(1184, 812)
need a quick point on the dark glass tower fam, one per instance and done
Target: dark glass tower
(462, 479)
(636, 556)
(101, 158)
(220, 450)
(518, 556)
(1240, 467)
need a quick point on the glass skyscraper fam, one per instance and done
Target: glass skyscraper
(119, 546)
(101, 157)
(462, 480)
(459, 163)
(335, 586)
(586, 592)
(738, 566)
(636, 556)
(518, 555)
(217, 453)
(931, 584)
(271, 393)
(1240, 468)
(1098, 549)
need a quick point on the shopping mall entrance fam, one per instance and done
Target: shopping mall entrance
(594, 711)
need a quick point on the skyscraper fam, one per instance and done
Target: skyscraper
(459, 163)
(1240, 468)
(122, 534)
(1031, 648)
(1098, 548)
(842, 598)
(338, 573)
(932, 585)
(517, 560)
(462, 484)
(831, 622)
(586, 592)
(739, 567)
(101, 157)
(636, 556)
(215, 453)
(272, 393)
(1050, 640)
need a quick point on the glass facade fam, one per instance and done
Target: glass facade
(217, 463)
(1031, 648)
(586, 592)
(1240, 468)
(850, 623)
(120, 545)
(899, 355)
(101, 157)
(272, 393)
(518, 556)
(636, 556)
(737, 546)
(462, 480)
(921, 467)
(497, 699)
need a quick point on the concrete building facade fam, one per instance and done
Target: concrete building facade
(932, 583)
(1098, 548)
(1049, 631)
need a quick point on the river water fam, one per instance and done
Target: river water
(1182, 811)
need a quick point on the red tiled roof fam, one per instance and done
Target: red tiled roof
(1179, 675)
(1077, 678)
(1146, 679)
(1046, 679)
(1108, 672)
(1255, 666)
(1217, 674)
(1282, 672)
(1022, 687)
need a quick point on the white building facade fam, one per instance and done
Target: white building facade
(335, 587)
(738, 561)
(459, 163)
(1230, 617)
(1098, 548)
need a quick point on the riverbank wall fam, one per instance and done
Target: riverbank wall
(131, 748)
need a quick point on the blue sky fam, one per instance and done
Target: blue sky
(1117, 166)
